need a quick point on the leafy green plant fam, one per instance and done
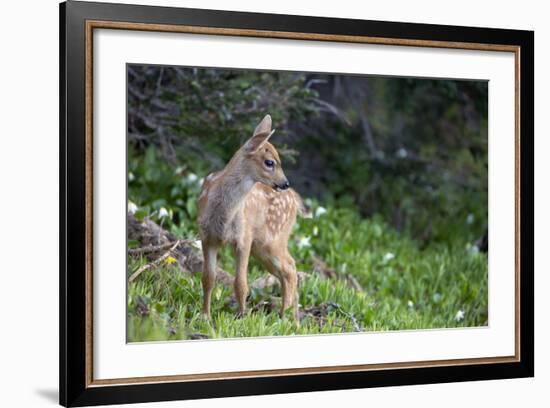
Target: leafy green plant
(404, 285)
(154, 185)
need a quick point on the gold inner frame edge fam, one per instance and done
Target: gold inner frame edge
(97, 24)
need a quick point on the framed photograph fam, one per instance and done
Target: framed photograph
(256, 204)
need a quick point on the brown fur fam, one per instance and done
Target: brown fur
(240, 206)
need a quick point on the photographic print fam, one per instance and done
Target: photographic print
(278, 203)
(324, 197)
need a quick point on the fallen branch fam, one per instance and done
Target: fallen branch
(153, 264)
(153, 238)
(152, 248)
(270, 280)
(198, 336)
(326, 271)
(270, 304)
(319, 313)
(224, 278)
(353, 283)
(350, 316)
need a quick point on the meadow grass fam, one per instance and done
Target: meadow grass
(404, 286)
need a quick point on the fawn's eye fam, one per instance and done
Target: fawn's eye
(269, 163)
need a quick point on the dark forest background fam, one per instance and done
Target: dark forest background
(412, 151)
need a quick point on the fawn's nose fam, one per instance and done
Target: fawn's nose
(285, 185)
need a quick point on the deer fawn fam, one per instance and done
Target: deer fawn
(250, 206)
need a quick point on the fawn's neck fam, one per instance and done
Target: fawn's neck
(232, 190)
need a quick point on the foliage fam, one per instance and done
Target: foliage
(404, 286)
(154, 184)
(411, 150)
(394, 168)
(201, 116)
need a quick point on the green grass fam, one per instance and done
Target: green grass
(404, 287)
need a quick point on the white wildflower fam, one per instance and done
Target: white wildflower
(197, 244)
(320, 211)
(163, 212)
(470, 219)
(401, 153)
(132, 208)
(131, 176)
(304, 242)
(410, 304)
(388, 257)
(315, 231)
(459, 316)
(192, 177)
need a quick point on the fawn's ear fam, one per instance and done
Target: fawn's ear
(264, 126)
(262, 133)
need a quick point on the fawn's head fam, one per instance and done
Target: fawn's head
(260, 159)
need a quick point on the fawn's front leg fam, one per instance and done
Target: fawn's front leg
(242, 252)
(210, 253)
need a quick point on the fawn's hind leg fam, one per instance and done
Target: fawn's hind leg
(210, 253)
(283, 267)
(289, 284)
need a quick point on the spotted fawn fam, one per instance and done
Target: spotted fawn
(249, 206)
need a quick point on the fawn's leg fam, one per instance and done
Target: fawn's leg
(208, 275)
(242, 252)
(281, 265)
(289, 284)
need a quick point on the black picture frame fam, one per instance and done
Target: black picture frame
(75, 388)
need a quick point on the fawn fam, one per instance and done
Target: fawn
(250, 206)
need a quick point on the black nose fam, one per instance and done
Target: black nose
(285, 185)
